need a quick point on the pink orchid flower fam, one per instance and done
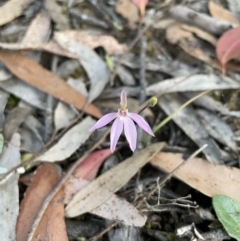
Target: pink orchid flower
(123, 119)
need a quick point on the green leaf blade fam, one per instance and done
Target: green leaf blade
(228, 213)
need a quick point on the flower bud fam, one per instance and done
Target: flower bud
(123, 100)
(153, 101)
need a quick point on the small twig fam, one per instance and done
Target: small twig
(104, 231)
(143, 84)
(170, 175)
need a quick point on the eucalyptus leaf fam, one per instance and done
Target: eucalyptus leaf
(96, 69)
(228, 212)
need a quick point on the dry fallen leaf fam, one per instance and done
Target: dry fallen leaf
(69, 143)
(217, 128)
(56, 14)
(220, 13)
(85, 172)
(200, 33)
(46, 81)
(228, 46)
(9, 194)
(92, 41)
(3, 101)
(109, 43)
(197, 82)
(190, 44)
(63, 113)
(189, 122)
(37, 32)
(128, 10)
(12, 9)
(13, 121)
(25, 92)
(38, 29)
(52, 225)
(203, 176)
(102, 188)
(96, 69)
(114, 208)
(187, 41)
(52, 46)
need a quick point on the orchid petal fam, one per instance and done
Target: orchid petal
(130, 132)
(104, 121)
(141, 122)
(116, 131)
(123, 98)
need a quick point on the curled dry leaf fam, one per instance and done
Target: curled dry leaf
(102, 188)
(43, 182)
(12, 9)
(205, 177)
(228, 47)
(46, 81)
(97, 70)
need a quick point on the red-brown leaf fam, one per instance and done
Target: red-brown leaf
(46, 178)
(86, 171)
(89, 167)
(228, 46)
(141, 4)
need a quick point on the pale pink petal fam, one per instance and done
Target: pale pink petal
(104, 121)
(130, 132)
(123, 98)
(141, 122)
(116, 131)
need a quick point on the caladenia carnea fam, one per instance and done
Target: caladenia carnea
(124, 120)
